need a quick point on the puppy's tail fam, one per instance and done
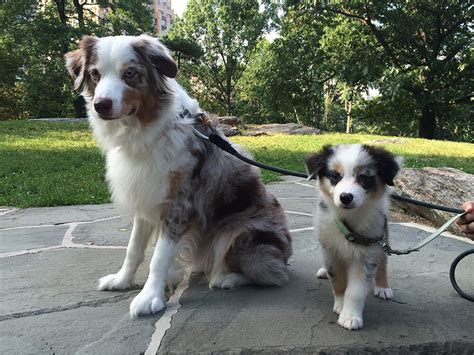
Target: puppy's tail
(262, 257)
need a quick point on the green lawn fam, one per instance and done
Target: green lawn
(51, 164)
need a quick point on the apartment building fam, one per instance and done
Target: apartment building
(163, 15)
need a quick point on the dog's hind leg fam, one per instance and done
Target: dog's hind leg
(223, 275)
(261, 256)
(381, 288)
(123, 279)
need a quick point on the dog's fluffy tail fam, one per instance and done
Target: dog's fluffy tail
(261, 257)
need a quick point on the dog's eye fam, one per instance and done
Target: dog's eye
(366, 181)
(335, 177)
(130, 73)
(94, 73)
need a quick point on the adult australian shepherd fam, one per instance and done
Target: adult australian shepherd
(350, 220)
(206, 210)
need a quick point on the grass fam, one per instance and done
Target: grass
(57, 163)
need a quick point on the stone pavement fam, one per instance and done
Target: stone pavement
(50, 259)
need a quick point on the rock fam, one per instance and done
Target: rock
(442, 186)
(233, 121)
(255, 133)
(228, 130)
(278, 128)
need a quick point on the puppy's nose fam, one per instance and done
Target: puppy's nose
(103, 105)
(346, 198)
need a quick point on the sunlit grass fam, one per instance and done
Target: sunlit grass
(58, 163)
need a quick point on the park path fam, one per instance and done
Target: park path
(50, 259)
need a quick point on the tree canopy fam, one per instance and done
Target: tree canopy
(388, 66)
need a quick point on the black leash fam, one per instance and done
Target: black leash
(225, 145)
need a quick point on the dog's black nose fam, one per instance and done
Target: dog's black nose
(103, 106)
(346, 198)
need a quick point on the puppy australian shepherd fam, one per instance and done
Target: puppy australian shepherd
(206, 210)
(350, 220)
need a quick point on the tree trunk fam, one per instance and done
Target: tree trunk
(80, 14)
(348, 107)
(427, 123)
(61, 7)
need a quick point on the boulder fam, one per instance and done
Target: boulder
(228, 130)
(233, 121)
(278, 128)
(442, 186)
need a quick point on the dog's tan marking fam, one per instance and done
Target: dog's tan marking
(339, 281)
(144, 100)
(381, 275)
(175, 182)
(323, 188)
(339, 168)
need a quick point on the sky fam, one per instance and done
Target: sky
(179, 6)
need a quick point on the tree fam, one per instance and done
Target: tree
(183, 48)
(427, 45)
(228, 32)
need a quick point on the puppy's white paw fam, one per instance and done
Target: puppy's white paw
(146, 302)
(322, 273)
(114, 282)
(350, 322)
(227, 281)
(383, 293)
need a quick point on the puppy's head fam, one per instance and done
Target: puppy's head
(121, 76)
(352, 174)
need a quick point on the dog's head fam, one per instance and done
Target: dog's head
(351, 174)
(122, 76)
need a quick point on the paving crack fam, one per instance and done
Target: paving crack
(67, 307)
(164, 323)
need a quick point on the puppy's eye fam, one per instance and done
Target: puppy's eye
(94, 73)
(366, 181)
(335, 177)
(130, 73)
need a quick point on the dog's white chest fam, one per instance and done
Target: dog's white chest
(138, 185)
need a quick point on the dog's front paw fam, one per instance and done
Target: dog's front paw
(383, 293)
(350, 322)
(227, 281)
(114, 282)
(322, 273)
(146, 302)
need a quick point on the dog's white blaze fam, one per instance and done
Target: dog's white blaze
(111, 55)
(349, 157)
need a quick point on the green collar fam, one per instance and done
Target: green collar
(355, 238)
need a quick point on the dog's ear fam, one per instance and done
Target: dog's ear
(317, 162)
(74, 65)
(153, 52)
(386, 163)
(77, 60)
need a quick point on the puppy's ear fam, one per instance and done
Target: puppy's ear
(153, 52)
(317, 162)
(386, 163)
(78, 59)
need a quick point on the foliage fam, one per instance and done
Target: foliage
(416, 59)
(427, 51)
(58, 163)
(228, 32)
